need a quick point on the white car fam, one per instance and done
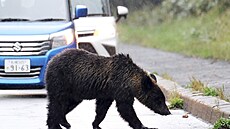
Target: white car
(96, 33)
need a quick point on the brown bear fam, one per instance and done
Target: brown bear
(75, 75)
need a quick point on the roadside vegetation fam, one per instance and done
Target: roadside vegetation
(167, 76)
(191, 27)
(197, 85)
(175, 101)
(222, 123)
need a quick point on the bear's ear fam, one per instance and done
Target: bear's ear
(153, 77)
(146, 83)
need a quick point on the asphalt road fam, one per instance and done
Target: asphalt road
(181, 68)
(26, 109)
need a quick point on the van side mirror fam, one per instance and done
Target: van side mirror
(121, 12)
(80, 11)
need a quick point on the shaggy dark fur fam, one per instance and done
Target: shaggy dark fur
(75, 75)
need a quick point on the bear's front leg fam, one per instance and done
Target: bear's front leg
(128, 113)
(102, 106)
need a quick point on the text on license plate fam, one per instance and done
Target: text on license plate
(17, 65)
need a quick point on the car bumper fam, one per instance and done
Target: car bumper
(35, 62)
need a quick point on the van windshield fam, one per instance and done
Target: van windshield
(34, 10)
(95, 7)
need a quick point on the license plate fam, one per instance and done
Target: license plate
(17, 65)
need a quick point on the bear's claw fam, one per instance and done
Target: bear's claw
(97, 127)
(147, 128)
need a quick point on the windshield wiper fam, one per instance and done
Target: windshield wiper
(13, 19)
(50, 19)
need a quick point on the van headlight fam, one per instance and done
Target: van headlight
(62, 38)
(105, 31)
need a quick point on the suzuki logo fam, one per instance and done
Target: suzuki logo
(17, 47)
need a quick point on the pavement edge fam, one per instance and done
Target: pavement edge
(207, 108)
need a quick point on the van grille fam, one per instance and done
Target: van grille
(34, 73)
(85, 33)
(87, 46)
(110, 49)
(24, 48)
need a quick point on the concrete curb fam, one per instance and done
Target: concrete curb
(207, 108)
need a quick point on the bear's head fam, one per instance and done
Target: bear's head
(152, 96)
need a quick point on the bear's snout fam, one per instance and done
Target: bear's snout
(163, 112)
(167, 112)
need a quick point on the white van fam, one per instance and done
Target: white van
(97, 32)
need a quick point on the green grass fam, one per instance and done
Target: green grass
(208, 91)
(175, 101)
(206, 36)
(167, 76)
(197, 85)
(222, 123)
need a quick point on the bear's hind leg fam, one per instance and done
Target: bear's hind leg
(102, 106)
(67, 107)
(53, 115)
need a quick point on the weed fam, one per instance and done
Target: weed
(155, 73)
(209, 91)
(197, 85)
(222, 123)
(221, 95)
(175, 100)
(167, 76)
